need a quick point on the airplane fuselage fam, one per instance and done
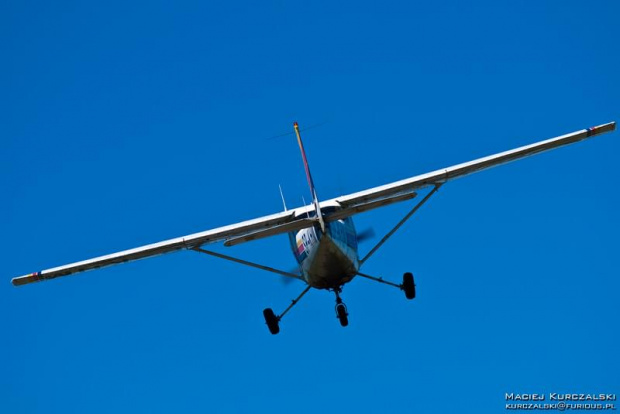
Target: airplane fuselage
(329, 259)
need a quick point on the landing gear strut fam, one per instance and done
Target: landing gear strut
(273, 321)
(408, 285)
(341, 308)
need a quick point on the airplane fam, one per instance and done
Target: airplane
(322, 235)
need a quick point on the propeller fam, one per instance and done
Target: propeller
(288, 280)
(365, 235)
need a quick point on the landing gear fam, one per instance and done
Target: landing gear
(408, 286)
(341, 309)
(273, 321)
(341, 314)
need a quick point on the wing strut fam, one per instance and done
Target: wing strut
(245, 262)
(400, 223)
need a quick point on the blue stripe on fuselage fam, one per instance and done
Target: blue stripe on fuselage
(304, 241)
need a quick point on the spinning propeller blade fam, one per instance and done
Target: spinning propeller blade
(367, 234)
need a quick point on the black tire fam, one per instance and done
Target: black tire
(341, 312)
(408, 285)
(272, 321)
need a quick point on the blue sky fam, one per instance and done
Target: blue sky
(125, 124)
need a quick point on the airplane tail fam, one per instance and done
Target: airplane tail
(315, 198)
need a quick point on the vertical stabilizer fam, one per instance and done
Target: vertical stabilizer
(315, 198)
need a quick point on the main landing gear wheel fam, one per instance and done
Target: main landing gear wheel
(272, 321)
(408, 286)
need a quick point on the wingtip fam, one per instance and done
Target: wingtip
(601, 129)
(611, 126)
(24, 280)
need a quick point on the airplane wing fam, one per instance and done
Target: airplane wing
(300, 218)
(276, 223)
(460, 170)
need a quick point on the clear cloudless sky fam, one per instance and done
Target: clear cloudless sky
(126, 123)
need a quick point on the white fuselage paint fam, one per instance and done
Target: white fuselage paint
(327, 260)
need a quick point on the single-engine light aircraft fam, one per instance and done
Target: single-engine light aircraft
(322, 235)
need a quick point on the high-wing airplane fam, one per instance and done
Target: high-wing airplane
(322, 235)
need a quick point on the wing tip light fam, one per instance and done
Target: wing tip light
(600, 129)
(24, 280)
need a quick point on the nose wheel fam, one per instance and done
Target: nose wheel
(341, 309)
